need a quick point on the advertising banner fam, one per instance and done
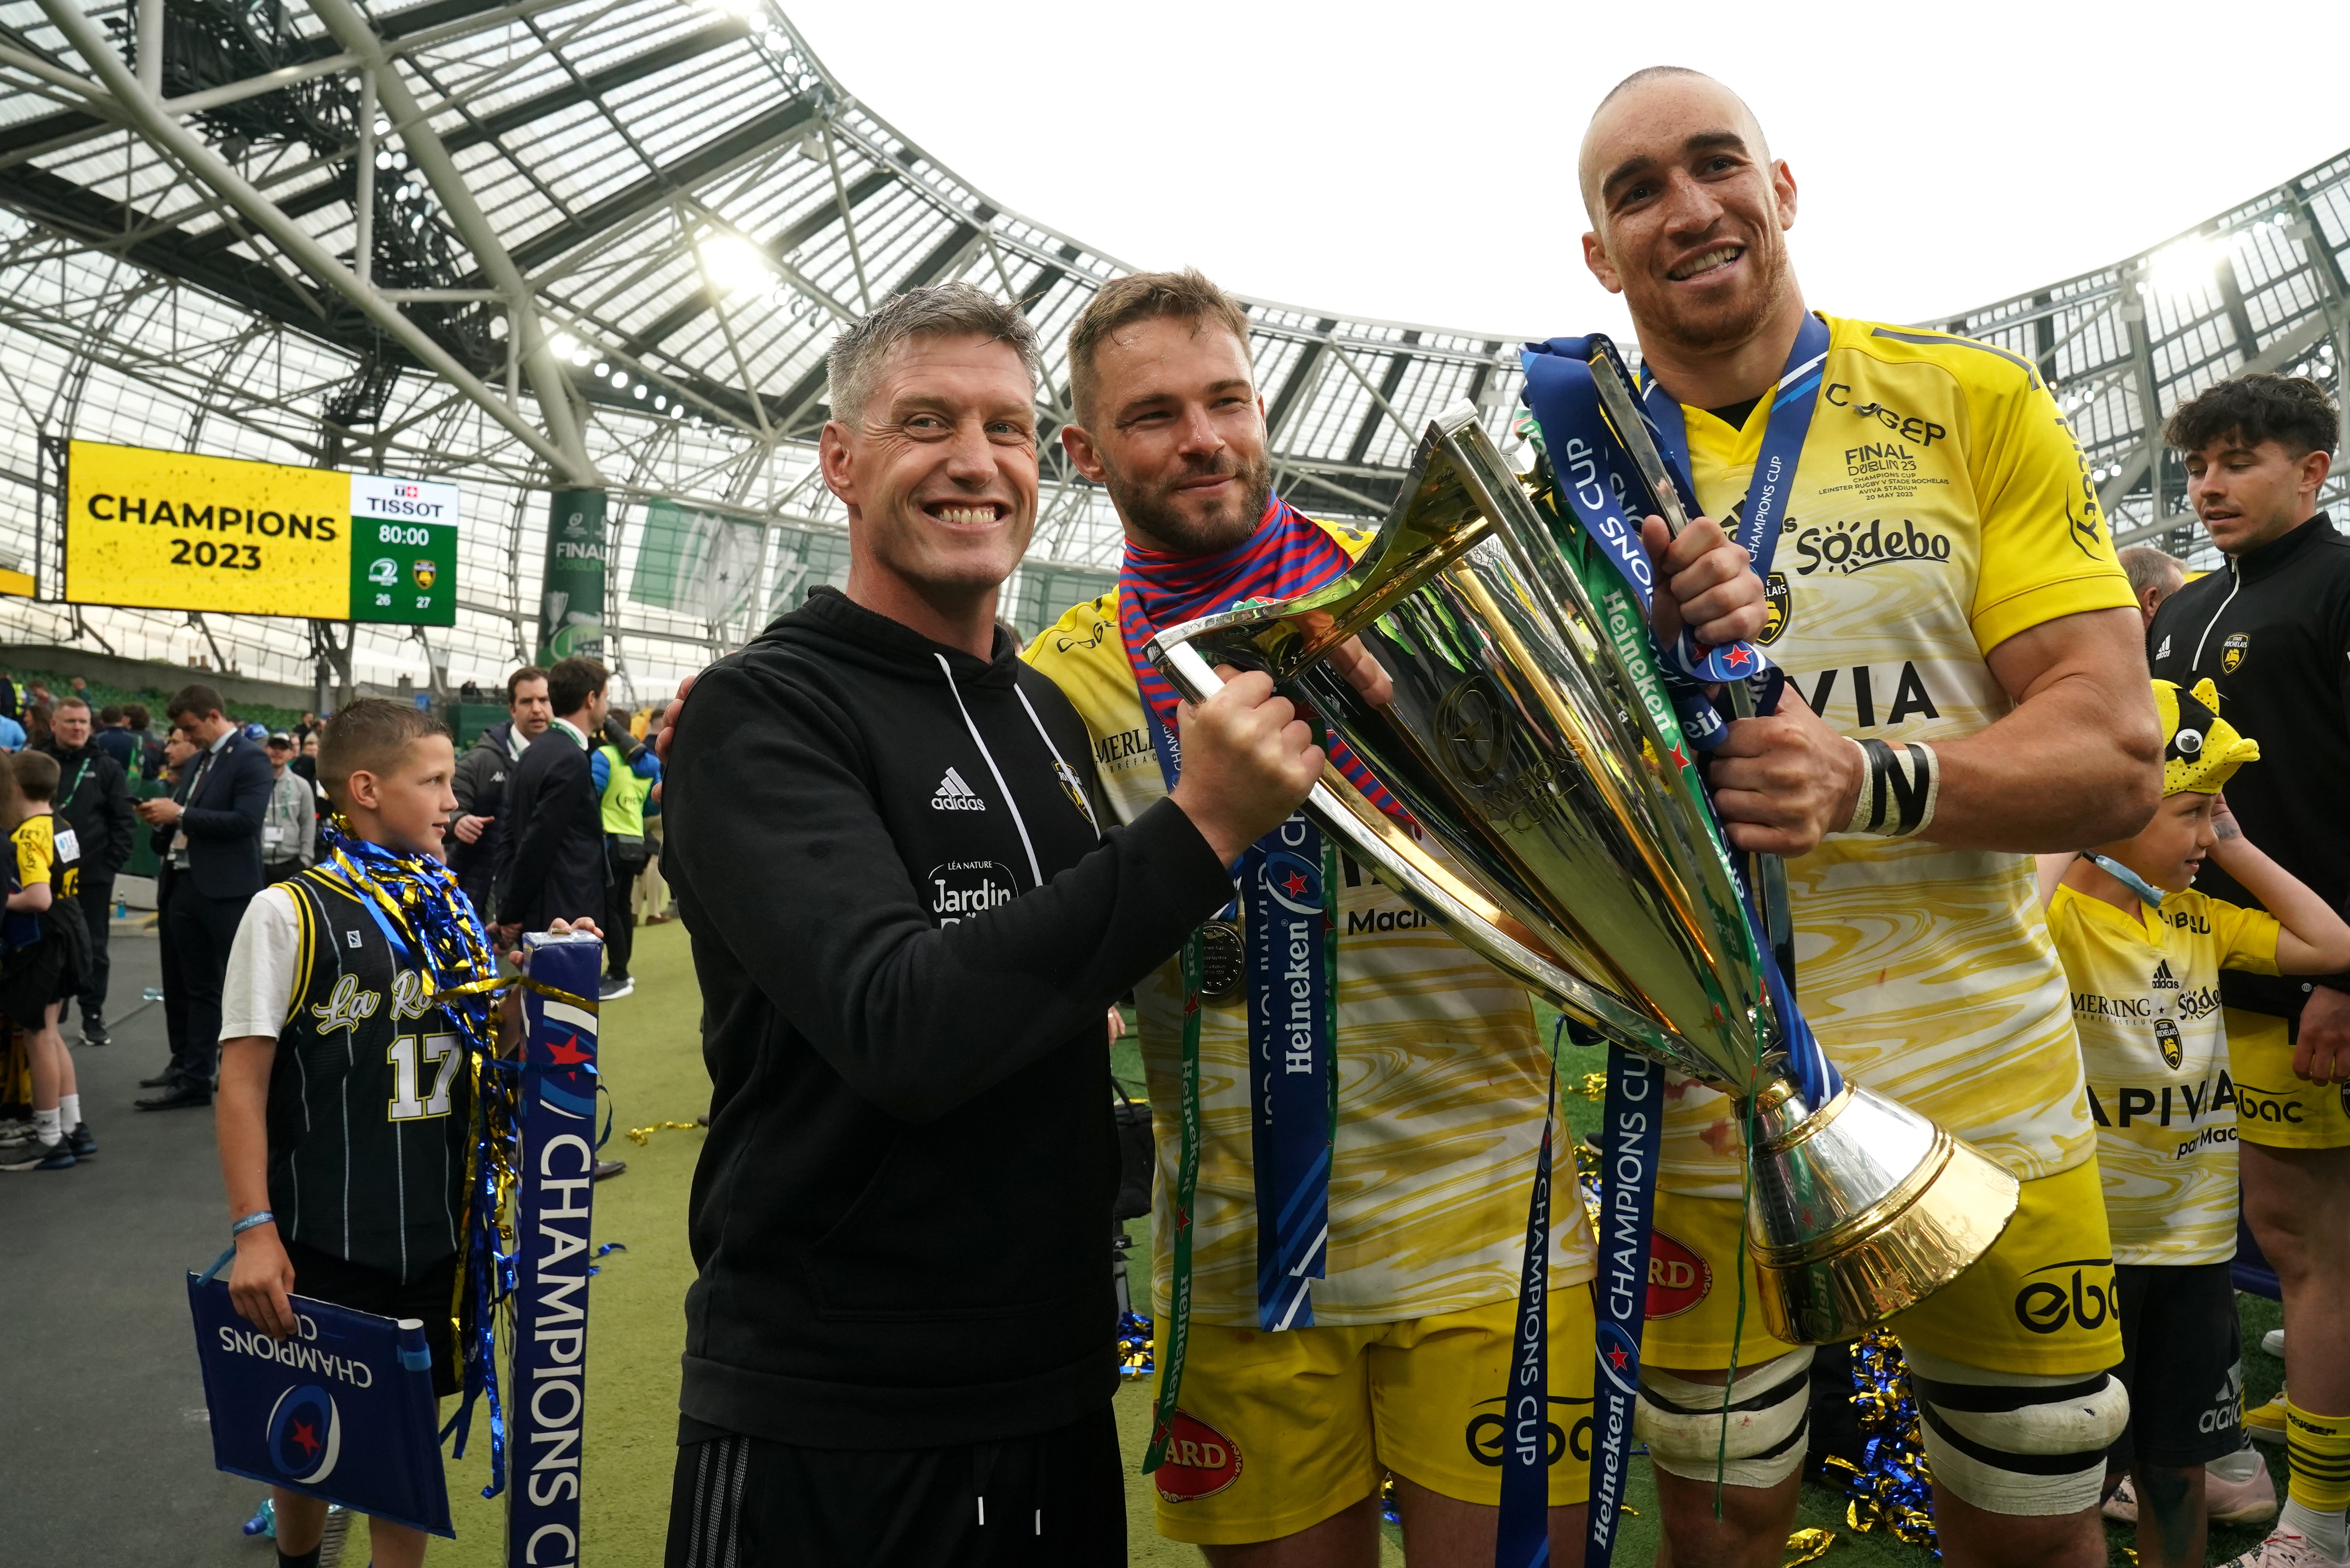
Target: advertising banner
(571, 607)
(166, 530)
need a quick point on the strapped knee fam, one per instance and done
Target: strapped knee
(1768, 1421)
(2014, 1443)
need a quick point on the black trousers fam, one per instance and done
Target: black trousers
(620, 925)
(1056, 1499)
(97, 901)
(197, 933)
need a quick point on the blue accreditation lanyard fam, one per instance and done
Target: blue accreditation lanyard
(1286, 892)
(1793, 402)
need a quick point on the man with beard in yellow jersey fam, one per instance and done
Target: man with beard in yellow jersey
(1441, 1074)
(1942, 581)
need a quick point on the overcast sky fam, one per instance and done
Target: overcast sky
(1416, 162)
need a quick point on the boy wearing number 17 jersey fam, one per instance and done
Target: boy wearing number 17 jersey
(342, 1101)
(2143, 952)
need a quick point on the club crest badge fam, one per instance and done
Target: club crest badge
(1775, 605)
(2234, 651)
(423, 572)
(2166, 1035)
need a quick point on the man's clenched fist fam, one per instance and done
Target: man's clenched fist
(1784, 783)
(1248, 762)
(1705, 581)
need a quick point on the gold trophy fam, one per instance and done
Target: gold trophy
(1563, 846)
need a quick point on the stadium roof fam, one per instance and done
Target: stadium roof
(544, 243)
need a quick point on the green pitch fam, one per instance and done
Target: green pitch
(651, 1061)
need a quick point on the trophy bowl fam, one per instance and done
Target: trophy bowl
(1554, 831)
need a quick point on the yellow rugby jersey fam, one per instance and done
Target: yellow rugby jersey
(1440, 1067)
(1940, 506)
(2146, 1000)
(35, 846)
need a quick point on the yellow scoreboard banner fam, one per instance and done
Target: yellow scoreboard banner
(163, 530)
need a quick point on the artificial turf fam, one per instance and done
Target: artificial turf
(651, 1059)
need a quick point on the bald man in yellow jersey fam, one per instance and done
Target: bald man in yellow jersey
(1942, 577)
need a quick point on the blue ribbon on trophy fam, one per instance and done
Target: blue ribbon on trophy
(1282, 882)
(1607, 451)
(553, 1201)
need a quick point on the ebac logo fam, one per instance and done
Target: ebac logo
(1201, 1461)
(1678, 1278)
(2043, 1306)
(306, 1434)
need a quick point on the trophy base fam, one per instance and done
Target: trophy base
(1863, 1209)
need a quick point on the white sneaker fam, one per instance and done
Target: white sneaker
(2122, 1507)
(2273, 1343)
(2285, 1550)
(2250, 1501)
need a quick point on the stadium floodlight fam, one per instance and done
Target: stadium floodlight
(734, 263)
(2186, 266)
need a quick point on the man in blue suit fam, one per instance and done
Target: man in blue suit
(207, 835)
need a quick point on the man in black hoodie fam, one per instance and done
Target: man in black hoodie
(882, 833)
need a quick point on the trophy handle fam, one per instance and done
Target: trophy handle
(1475, 921)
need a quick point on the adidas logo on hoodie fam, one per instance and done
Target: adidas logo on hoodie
(953, 794)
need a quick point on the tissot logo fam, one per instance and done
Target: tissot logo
(953, 794)
(1846, 545)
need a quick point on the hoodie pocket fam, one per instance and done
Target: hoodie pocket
(953, 1225)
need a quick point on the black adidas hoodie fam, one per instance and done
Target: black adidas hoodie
(902, 1210)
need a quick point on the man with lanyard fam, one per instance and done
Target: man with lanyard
(2272, 632)
(94, 800)
(480, 782)
(1385, 1254)
(1937, 577)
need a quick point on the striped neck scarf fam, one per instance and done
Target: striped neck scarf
(1289, 554)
